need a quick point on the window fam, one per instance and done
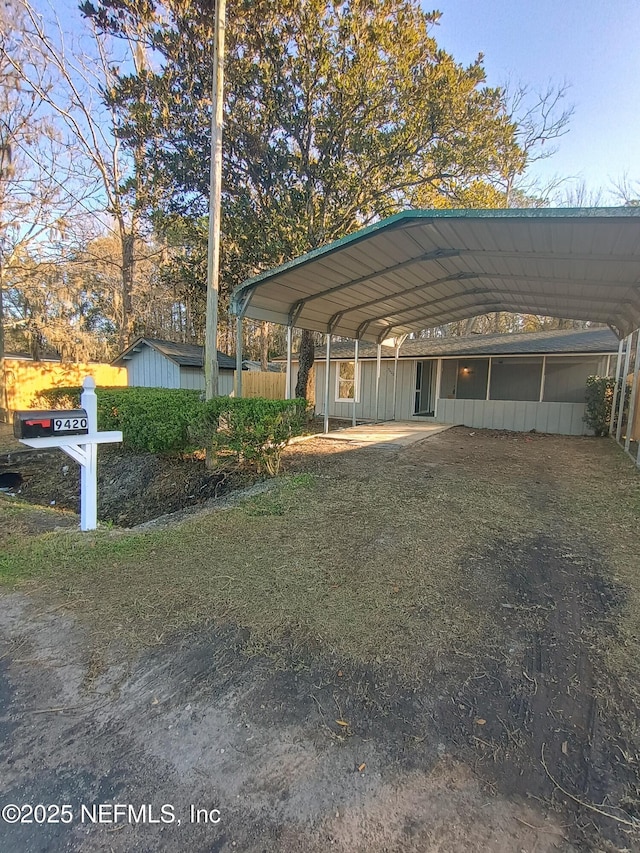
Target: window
(471, 382)
(566, 378)
(464, 378)
(345, 382)
(516, 379)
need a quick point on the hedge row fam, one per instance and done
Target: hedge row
(167, 420)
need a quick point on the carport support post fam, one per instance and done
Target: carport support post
(395, 378)
(355, 381)
(623, 387)
(89, 469)
(399, 342)
(438, 387)
(327, 366)
(287, 392)
(634, 394)
(378, 361)
(543, 376)
(615, 387)
(238, 388)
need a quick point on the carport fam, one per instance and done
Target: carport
(424, 268)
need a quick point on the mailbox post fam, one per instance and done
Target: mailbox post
(76, 433)
(89, 468)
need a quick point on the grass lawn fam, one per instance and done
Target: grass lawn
(375, 555)
(475, 595)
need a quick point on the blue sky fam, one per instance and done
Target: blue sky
(592, 46)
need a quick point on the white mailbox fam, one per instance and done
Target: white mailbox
(80, 443)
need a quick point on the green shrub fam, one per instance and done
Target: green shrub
(173, 420)
(253, 431)
(57, 398)
(155, 420)
(599, 397)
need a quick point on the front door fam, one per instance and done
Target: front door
(424, 385)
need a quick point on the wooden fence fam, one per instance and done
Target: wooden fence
(24, 378)
(271, 386)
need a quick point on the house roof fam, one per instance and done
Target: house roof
(48, 355)
(186, 355)
(555, 342)
(272, 366)
(424, 268)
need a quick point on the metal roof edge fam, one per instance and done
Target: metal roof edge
(131, 347)
(327, 249)
(385, 357)
(403, 216)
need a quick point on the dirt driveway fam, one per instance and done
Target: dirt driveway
(440, 657)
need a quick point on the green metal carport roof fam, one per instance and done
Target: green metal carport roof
(424, 268)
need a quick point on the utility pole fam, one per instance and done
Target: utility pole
(215, 192)
(5, 167)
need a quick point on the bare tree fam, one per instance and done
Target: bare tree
(578, 194)
(71, 84)
(34, 209)
(540, 118)
(627, 191)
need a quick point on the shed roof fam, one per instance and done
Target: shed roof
(552, 342)
(424, 268)
(186, 355)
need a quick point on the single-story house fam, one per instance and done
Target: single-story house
(534, 380)
(424, 269)
(153, 363)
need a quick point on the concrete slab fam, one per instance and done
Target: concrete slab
(400, 433)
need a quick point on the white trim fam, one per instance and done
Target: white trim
(356, 381)
(327, 370)
(543, 376)
(438, 387)
(356, 376)
(634, 392)
(378, 372)
(464, 356)
(614, 399)
(287, 391)
(623, 386)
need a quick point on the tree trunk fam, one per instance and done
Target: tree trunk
(264, 346)
(305, 363)
(128, 261)
(3, 385)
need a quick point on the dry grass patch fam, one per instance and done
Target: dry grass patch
(7, 441)
(377, 556)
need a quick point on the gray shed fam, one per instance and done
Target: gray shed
(152, 363)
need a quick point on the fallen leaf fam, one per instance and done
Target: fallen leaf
(361, 768)
(343, 723)
(480, 721)
(339, 673)
(565, 747)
